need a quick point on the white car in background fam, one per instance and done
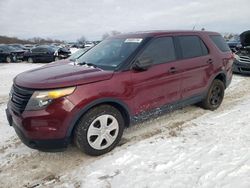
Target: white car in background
(89, 44)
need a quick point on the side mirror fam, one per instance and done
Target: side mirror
(142, 64)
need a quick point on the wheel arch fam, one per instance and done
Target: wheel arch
(119, 105)
(222, 77)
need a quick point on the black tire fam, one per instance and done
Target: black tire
(83, 140)
(214, 96)
(8, 59)
(30, 60)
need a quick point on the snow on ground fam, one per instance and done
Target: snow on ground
(9, 71)
(214, 151)
(190, 147)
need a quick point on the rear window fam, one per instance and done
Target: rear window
(220, 42)
(192, 46)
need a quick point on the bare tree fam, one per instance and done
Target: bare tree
(105, 35)
(81, 40)
(112, 33)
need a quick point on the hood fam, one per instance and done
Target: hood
(57, 75)
(245, 38)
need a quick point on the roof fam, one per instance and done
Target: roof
(143, 34)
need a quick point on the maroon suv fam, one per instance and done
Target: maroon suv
(123, 79)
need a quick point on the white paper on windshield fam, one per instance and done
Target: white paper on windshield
(135, 40)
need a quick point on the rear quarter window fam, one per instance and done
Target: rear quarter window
(220, 42)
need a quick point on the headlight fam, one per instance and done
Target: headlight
(238, 46)
(41, 99)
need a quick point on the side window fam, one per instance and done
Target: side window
(44, 50)
(36, 50)
(220, 42)
(192, 46)
(161, 50)
(204, 48)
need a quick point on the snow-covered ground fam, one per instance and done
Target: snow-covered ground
(190, 147)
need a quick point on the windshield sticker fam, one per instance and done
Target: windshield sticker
(135, 40)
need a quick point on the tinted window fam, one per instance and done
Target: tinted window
(36, 50)
(192, 46)
(220, 42)
(44, 50)
(161, 50)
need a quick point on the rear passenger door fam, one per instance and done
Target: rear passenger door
(159, 84)
(195, 63)
(46, 55)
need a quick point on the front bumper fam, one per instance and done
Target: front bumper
(242, 68)
(45, 130)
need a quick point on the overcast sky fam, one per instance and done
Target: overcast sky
(71, 19)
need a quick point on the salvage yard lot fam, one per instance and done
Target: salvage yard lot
(190, 147)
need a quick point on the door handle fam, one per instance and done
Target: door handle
(210, 61)
(172, 70)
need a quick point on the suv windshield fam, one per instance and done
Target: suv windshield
(110, 53)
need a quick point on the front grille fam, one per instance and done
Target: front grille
(19, 98)
(245, 69)
(244, 59)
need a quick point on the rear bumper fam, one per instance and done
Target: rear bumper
(242, 68)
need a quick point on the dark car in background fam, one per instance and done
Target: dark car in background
(242, 55)
(19, 47)
(46, 54)
(10, 54)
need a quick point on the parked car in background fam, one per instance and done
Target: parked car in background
(10, 54)
(19, 46)
(46, 54)
(89, 44)
(29, 46)
(234, 43)
(123, 79)
(78, 54)
(242, 55)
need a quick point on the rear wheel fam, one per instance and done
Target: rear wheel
(8, 59)
(30, 60)
(214, 96)
(99, 130)
(57, 58)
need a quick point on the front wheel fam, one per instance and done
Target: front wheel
(214, 96)
(99, 130)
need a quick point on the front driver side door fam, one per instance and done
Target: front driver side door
(160, 83)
